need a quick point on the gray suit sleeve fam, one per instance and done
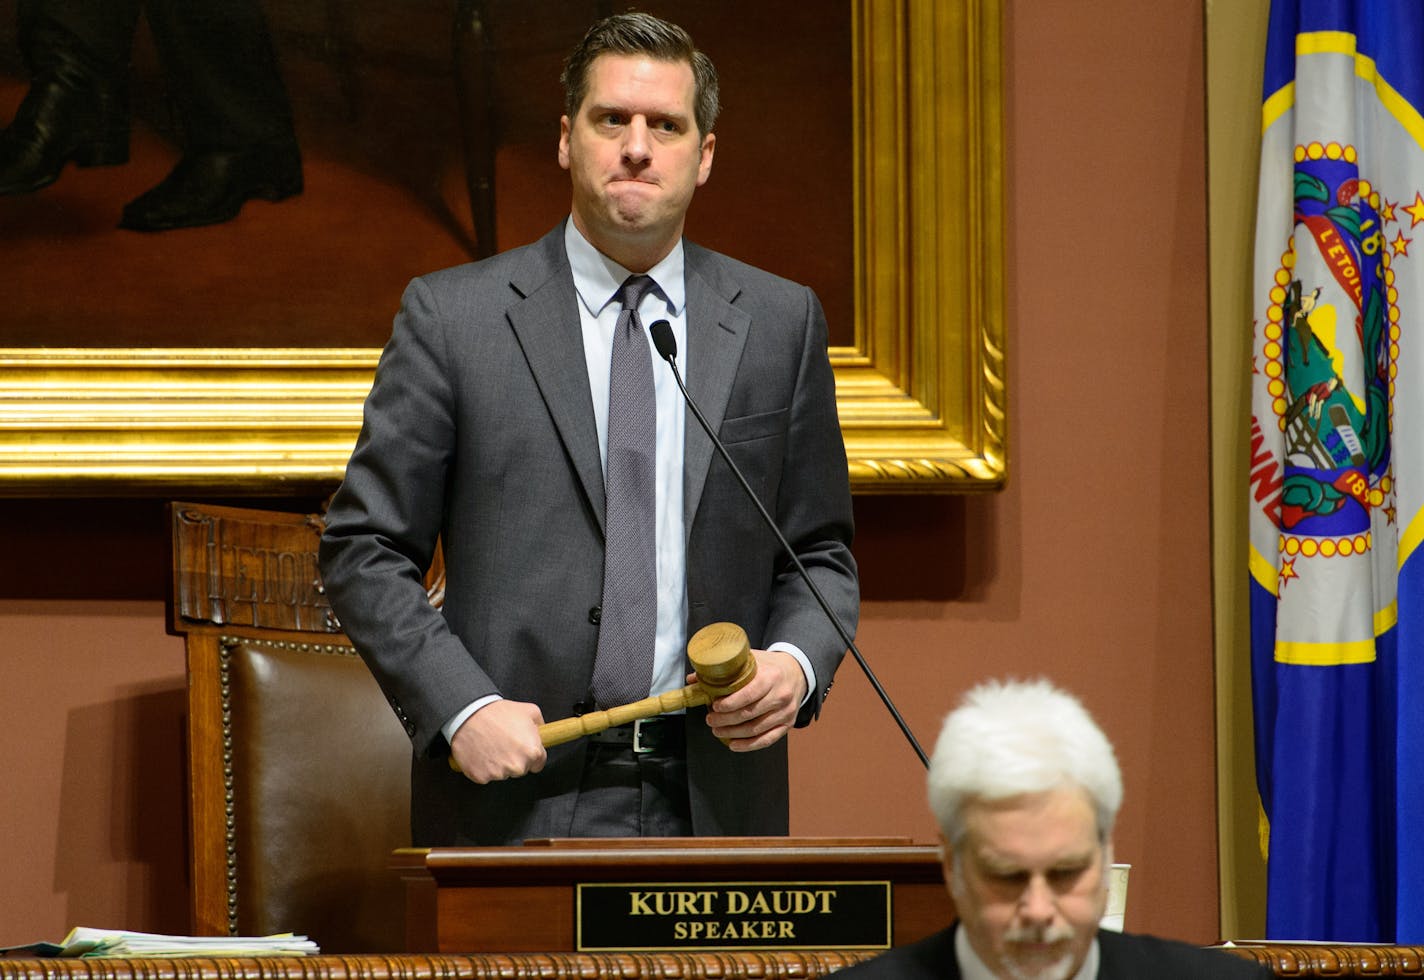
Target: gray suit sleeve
(383, 525)
(813, 508)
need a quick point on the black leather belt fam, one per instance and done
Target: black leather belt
(666, 734)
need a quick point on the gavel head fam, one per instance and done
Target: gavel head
(722, 657)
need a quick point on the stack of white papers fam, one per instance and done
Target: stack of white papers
(84, 941)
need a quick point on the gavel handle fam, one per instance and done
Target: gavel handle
(570, 729)
(723, 663)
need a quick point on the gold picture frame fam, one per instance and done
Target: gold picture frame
(921, 390)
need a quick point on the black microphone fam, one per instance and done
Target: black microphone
(666, 346)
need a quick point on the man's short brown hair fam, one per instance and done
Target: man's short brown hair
(641, 34)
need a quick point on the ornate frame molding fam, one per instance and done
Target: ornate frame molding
(921, 391)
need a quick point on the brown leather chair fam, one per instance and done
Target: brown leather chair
(299, 772)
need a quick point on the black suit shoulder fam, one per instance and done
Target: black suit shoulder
(1132, 955)
(931, 958)
(1123, 957)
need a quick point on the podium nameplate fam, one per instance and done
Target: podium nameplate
(744, 915)
(714, 894)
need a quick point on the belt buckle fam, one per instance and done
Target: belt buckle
(638, 747)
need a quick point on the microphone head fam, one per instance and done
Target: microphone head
(663, 339)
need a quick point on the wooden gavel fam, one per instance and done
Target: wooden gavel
(723, 661)
(722, 658)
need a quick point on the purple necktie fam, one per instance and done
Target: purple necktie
(623, 670)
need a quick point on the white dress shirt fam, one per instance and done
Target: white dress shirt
(597, 280)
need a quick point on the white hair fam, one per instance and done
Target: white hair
(1009, 738)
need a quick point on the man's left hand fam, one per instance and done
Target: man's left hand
(761, 713)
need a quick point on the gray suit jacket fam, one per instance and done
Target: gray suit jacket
(479, 430)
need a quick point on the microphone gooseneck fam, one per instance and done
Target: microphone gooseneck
(666, 346)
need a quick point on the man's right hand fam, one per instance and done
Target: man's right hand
(500, 741)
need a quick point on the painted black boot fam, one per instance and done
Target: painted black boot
(62, 120)
(208, 188)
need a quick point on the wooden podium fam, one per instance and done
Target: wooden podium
(675, 894)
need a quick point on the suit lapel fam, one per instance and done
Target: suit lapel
(546, 323)
(716, 336)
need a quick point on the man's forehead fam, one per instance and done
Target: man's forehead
(1066, 854)
(1040, 827)
(612, 72)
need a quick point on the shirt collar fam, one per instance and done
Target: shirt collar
(597, 277)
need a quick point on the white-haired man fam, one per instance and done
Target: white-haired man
(1025, 788)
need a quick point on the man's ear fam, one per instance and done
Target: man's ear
(946, 858)
(564, 142)
(704, 164)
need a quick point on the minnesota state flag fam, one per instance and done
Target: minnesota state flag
(1337, 471)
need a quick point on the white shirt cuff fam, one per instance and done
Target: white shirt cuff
(795, 651)
(453, 725)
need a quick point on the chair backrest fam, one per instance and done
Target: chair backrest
(299, 772)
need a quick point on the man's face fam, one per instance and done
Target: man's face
(635, 156)
(1029, 883)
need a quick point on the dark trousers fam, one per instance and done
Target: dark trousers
(218, 60)
(627, 794)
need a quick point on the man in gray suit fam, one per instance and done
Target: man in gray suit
(486, 428)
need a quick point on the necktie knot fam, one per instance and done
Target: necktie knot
(630, 294)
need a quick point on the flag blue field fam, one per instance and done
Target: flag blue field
(1337, 471)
